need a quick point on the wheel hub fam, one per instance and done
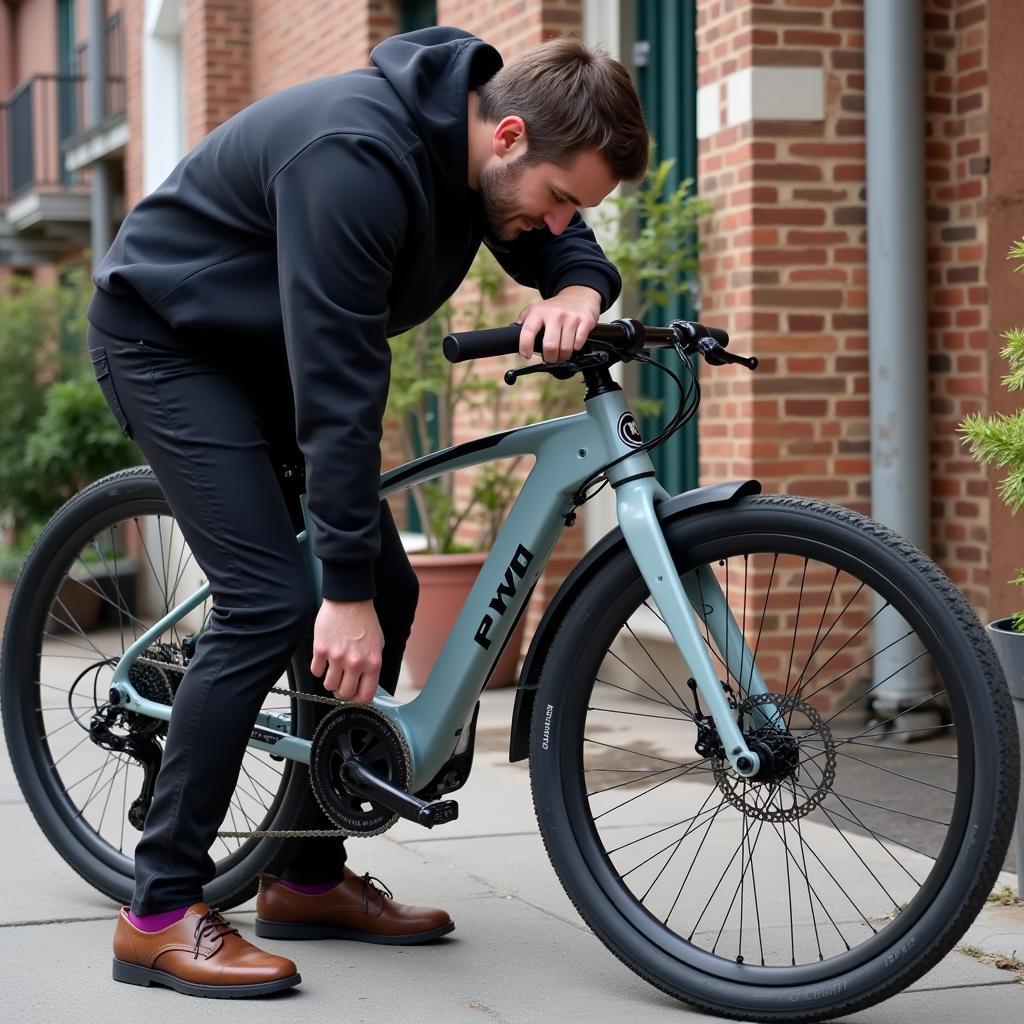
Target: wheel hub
(797, 755)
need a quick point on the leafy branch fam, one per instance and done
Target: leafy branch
(998, 439)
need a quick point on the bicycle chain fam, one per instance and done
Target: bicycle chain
(267, 833)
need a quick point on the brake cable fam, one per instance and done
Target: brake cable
(689, 402)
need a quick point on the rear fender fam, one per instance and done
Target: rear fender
(607, 548)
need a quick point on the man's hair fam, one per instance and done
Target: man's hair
(571, 98)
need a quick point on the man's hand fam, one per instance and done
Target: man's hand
(347, 642)
(566, 318)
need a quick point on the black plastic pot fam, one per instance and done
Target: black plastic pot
(1010, 648)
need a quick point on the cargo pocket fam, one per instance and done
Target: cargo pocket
(106, 383)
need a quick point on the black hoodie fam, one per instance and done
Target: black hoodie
(333, 214)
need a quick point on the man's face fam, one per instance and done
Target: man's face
(521, 198)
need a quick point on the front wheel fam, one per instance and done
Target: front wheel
(881, 815)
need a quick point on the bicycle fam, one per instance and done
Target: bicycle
(755, 863)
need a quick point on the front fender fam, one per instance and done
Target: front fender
(672, 508)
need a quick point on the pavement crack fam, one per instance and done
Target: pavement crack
(949, 988)
(56, 920)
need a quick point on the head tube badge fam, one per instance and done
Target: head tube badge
(629, 431)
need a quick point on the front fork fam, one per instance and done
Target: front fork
(679, 602)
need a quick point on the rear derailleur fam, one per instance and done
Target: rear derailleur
(140, 746)
(140, 735)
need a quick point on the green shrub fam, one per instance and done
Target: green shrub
(998, 439)
(56, 432)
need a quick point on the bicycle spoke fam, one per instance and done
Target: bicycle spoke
(650, 789)
(682, 702)
(650, 775)
(638, 714)
(639, 753)
(796, 626)
(890, 771)
(97, 591)
(661, 697)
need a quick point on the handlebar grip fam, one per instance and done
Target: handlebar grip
(722, 337)
(496, 341)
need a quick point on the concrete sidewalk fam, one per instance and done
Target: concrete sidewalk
(519, 955)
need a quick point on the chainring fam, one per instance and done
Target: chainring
(792, 781)
(357, 731)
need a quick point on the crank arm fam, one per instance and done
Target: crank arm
(360, 780)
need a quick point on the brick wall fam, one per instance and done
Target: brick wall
(786, 266)
(516, 25)
(132, 28)
(216, 42)
(293, 43)
(960, 333)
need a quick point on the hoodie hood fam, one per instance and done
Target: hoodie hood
(433, 70)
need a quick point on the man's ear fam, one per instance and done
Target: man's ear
(509, 137)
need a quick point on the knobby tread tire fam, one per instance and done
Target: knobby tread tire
(132, 483)
(1001, 719)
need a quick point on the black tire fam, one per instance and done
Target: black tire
(41, 610)
(935, 776)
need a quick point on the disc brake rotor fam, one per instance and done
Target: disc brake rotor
(798, 759)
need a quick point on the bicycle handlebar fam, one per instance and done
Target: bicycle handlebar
(627, 337)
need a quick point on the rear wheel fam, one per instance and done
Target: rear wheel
(879, 821)
(109, 564)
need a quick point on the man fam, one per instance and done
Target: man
(289, 245)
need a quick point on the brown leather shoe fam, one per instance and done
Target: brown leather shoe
(354, 909)
(200, 955)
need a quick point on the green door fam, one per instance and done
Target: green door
(418, 14)
(666, 61)
(66, 86)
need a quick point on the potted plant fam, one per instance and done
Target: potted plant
(998, 440)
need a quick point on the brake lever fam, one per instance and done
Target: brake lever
(715, 355)
(561, 371)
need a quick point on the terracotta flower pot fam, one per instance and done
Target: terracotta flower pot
(445, 582)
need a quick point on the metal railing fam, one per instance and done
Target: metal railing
(38, 117)
(115, 90)
(46, 111)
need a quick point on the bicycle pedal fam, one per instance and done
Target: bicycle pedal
(361, 780)
(440, 812)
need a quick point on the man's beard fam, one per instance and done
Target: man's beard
(501, 198)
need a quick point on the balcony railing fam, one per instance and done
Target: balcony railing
(114, 92)
(37, 118)
(47, 111)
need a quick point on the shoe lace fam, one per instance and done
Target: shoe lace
(377, 886)
(211, 924)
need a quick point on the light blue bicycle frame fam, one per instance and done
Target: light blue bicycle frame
(567, 450)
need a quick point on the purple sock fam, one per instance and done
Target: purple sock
(310, 890)
(154, 922)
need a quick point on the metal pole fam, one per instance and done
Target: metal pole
(99, 209)
(898, 346)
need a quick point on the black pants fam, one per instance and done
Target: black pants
(216, 423)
